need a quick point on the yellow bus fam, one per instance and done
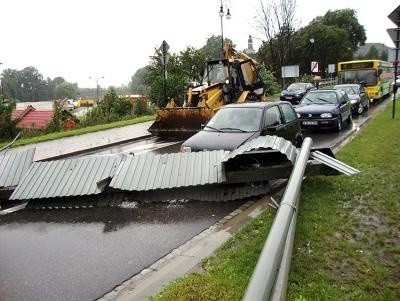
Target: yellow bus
(375, 74)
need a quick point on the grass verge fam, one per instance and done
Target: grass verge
(347, 238)
(80, 131)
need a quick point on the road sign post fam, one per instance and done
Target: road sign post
(394, 33)
(164, 61)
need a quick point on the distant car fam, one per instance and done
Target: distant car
(358, 98)
(324, 109)
(295, 92)
(236, 124)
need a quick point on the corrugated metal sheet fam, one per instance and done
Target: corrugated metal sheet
(201, 193)
(83, 176)
(333, 163)
(13, 167)
(265, 142)
(149, 172)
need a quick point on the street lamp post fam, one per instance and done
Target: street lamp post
(97, 85)
(221, 15)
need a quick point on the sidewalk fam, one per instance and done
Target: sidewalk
(59, 148)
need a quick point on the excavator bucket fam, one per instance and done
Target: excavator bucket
(180, 122)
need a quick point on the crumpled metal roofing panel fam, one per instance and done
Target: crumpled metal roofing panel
(14, 166)
(334, 163)
(264, 142)
(216, 193)
(149, 172)
(72, 177)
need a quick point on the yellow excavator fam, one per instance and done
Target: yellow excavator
(233, 79)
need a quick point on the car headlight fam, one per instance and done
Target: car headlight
(298, 115)
(298, 95)
(353, 101)
(186, 149)
(282, 94)
(326, 115)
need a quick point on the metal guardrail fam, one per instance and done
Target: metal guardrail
(328, 82)
(272, 269)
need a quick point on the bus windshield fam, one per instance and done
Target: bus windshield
(356, 76)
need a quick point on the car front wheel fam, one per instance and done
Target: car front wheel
(350, 118)
(360, 108)
(339, 124)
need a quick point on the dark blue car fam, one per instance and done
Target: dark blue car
(324, 109)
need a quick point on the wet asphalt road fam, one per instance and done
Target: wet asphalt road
(82, 254)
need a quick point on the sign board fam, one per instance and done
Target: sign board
(164, 47)
(165, 59)
(314, 66)
(331, 68)
(394, 16)
(290, 71)
(391, 55)
(394, 34)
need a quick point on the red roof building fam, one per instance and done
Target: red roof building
(30, 118)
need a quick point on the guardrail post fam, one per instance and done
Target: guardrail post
(266, 270)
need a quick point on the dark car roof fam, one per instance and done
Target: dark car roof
(258, 104)
(324, 90)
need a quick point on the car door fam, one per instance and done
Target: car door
(273, 122)
(344, 105)
(291, 122)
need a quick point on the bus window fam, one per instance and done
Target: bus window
(357, 76)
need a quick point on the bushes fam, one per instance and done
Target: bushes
(114, 108)
(8, 129)
(271, 84)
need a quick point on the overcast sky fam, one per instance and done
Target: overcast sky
(78, 39)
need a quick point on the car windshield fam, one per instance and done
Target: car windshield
(296, 86)
(236, 119)
(320, 97)
(350, 90)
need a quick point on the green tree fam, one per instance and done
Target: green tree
(65, 90)
(11, 84)
(137, 85)
(213, 47)
(345, 19)
(52, 84)
(180, 70)
(33, 86)
(323, 43)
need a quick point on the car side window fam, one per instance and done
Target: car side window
(273, 117)
(288, 113)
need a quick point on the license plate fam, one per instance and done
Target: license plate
(288, 97)
(311, 122)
